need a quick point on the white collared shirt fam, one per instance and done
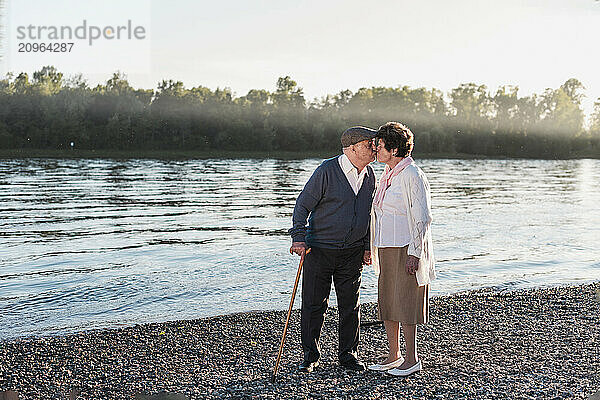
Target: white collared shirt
(415, 194)
(354, 178)
(391, 220)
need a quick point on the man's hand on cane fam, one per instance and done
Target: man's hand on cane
(298, 248)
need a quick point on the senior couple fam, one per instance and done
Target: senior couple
(352, 223)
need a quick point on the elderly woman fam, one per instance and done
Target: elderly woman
(401, 247)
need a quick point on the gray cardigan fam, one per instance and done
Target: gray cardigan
(337, 218)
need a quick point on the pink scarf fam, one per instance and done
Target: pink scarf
(386, 179)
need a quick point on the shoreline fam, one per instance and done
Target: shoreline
(80, 330)
(526, 343)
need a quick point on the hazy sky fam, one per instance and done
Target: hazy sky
(328, 46)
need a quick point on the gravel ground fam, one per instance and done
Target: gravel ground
(529, 344)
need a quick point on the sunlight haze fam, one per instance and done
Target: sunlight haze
(336, 45)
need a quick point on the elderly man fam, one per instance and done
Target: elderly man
(337, 202)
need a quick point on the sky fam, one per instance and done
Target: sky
(326, 46)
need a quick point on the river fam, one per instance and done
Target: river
(96, 243)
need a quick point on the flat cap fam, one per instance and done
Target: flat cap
(357, 134)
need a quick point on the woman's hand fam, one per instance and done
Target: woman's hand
(412, 265)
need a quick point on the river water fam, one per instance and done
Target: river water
(104, 243)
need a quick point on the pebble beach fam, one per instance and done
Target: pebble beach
(485, 344)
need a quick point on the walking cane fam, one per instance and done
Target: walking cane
(287, 320)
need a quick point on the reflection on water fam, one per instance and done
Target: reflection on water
(99, 243)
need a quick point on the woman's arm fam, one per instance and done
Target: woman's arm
(419, 213)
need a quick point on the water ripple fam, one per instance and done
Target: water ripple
(95, 243)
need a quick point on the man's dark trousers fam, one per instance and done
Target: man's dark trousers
(320, 265)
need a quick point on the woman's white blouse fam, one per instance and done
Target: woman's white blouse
(391, 221)
(415, 199)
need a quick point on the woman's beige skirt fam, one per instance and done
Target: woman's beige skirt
(400, 298)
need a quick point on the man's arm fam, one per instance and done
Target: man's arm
(367, 239)
(305, 204)
(367, 247)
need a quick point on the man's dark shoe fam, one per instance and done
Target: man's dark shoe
(353, 365)
(308, 366)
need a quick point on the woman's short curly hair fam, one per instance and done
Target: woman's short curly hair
(397, 136)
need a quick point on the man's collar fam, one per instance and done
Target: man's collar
(347, 165)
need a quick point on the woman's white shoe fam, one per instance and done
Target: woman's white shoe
(388, 366)
(407, 371)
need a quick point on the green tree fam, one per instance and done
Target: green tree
(48, 81)
(595, 118)
(473, 109)
(562, 113)
(470, 102)
(288, 94)
(50, 111)
(21, 84)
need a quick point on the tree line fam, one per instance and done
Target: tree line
(49, 111)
